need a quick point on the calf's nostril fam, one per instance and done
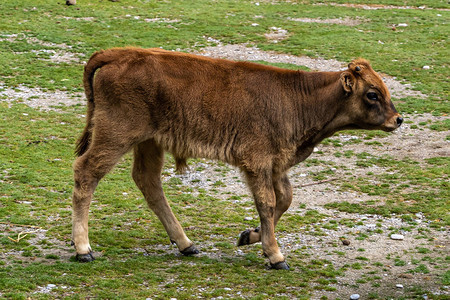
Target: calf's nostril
(399, 121)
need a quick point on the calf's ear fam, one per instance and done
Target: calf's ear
(348, 81)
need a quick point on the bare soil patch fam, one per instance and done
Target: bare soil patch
(344, 21)
(60, 54)
(379, 6)
(277, 34)
(39, 99)
(40, 238)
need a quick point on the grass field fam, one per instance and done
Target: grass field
(379, 184)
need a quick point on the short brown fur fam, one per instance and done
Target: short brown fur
(261, 119)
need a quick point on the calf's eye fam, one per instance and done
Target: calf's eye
(372, 96)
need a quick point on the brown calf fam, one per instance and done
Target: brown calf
(262, 119)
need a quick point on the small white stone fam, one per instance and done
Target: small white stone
(397, 236)
(426, 67)
(400, 286)
(354, 297)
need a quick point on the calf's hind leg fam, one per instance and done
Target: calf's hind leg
(89, 168)
(148, 163)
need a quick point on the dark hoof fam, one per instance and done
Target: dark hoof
(244, 238)
(282, 265)
(191, 250)
(85, 257)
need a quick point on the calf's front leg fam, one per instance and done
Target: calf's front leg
(262, 187)
(283, 194)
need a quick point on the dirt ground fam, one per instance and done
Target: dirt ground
(409, 141)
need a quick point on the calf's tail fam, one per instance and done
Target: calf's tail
(97, 60)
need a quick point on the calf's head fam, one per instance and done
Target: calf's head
(370, 105)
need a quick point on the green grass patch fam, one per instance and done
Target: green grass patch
(406, 188)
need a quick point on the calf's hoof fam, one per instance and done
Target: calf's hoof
(191, 250)
(282, 265)
(244, 237)
(88, 257)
